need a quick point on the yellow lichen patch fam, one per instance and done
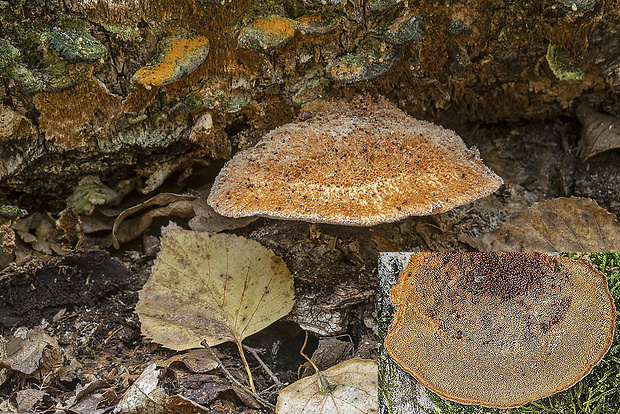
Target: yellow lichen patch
(180, 57)
(64, 113)
(351, 69)
(267, 33)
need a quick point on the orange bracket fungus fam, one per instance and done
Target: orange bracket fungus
(356, 163)
(179, 57)
(267, 33)
(499, 329)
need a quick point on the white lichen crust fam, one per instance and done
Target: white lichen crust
(355, 163)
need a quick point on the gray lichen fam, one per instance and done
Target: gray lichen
(75, 46)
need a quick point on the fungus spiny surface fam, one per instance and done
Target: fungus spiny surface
(499, 329)
(360, 163)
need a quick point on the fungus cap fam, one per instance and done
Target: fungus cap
(499, 329)
(361, 163)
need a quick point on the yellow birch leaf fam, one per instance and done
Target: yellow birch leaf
(218, 287)
(347, 388)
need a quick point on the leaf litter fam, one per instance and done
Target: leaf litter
(161, 205)
(300, 261)
(556, 225)
(600, 132)
(31, 352)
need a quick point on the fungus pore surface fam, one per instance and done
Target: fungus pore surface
(499, 329)
(362, 163)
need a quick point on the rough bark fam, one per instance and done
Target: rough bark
(72, 104)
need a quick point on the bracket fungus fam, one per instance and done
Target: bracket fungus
(267, 33)
(499, 329)
(179, 56)
(357, 163)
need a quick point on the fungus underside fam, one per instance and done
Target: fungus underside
(596, 393)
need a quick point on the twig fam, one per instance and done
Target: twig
(233, 379)
(255, 352)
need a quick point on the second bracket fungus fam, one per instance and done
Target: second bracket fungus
(179, 57)
(267, 33)
(499, 329)
(357, 163)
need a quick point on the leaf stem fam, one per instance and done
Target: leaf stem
(247, 366)
(235, 380)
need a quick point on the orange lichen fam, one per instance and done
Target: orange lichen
(499, 329)
(348, 69)
(358, 163)
(181, 56)
(267, 33)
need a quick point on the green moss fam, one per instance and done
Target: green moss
(456, 27)
(575, 6)
(220, 2)
(12, 212)
(561, 69)
(8, 55)
(407, 28)
(54, 78)
(460, 59)
(313, 89)
(22, 75)
(371, 61)
(379, 5)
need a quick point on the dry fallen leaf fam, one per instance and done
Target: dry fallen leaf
(89, 397)
(169, 205)
(600, 132)
(195, 360)
(350, 388)
(145, 395)
(179, 404)
(32, 352)
(557, 225)
(207, 219)
(218, 287)
(28, 399)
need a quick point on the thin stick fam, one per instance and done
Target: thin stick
(233, 379)
(255, 352)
